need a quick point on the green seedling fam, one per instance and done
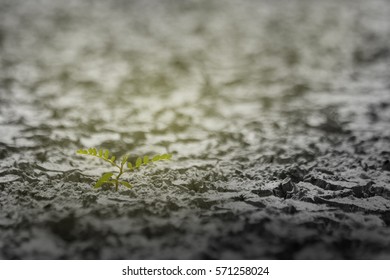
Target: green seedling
(113, 178)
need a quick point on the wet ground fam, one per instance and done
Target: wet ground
(277, 114)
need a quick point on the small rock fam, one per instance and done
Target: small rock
(287, 185)
(386, 165)
(291, 209)
(285, 189)
(263, 193)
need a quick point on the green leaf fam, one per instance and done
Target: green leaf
(112, 159)
(156, 158)
(126, 184)
(100, 153)
(106, 154)
(124, 159)
(146, 159)
(103, 179)
(81, 151)
(130, 166)
(138, 162)
(166, 156)
(112, 182)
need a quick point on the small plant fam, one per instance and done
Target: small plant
(124, 166)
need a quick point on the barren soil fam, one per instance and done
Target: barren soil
(277, 114)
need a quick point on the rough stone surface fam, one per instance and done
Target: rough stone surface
(277, 114)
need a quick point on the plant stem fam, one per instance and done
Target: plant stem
(117, 177)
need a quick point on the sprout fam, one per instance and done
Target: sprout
(123, 166)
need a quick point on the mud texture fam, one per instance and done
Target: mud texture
(277, 113)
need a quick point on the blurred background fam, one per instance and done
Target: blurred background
(277, 114)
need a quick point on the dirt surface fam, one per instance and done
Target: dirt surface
(277, 114)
